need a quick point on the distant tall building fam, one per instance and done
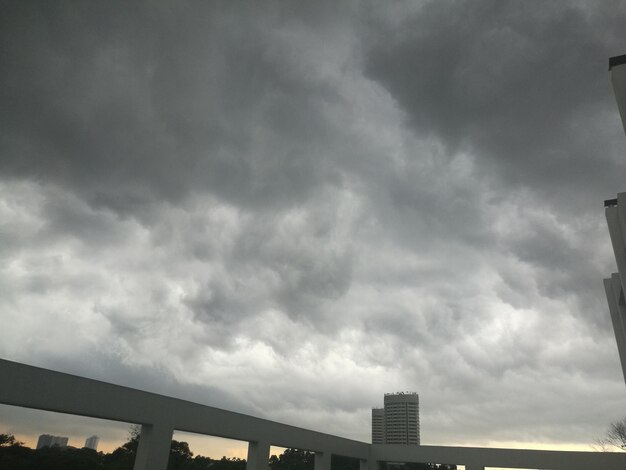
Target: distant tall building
(378, 425)
(46, 440)
(402, 418)
(92, 442)
(399, 420)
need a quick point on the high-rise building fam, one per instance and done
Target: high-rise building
(378, 425)
(402, 418)
(92, 442)
(399, 420)
(47, 440)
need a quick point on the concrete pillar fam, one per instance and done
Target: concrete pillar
(371, 464)
(258, 455)
(322, 460)
(153, 452)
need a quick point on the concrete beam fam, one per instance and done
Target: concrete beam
(65, 393)
(508, 458)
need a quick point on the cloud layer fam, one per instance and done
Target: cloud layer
(288, 210)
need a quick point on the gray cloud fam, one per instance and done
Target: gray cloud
(289, 210)
(513, 84)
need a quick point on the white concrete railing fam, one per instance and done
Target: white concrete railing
(159, 416)
(476, 458)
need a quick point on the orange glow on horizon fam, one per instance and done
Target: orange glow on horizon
(216, 448)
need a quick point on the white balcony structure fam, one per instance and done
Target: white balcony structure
(160, 415)
(616, 218)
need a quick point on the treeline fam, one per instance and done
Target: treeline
(15, 456)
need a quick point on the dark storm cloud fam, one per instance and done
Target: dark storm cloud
(522, 88)
(290, 209)
(172, 101)
(515, 84)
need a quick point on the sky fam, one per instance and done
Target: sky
(287, 209)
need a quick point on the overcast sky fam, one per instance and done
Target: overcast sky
(288, 209)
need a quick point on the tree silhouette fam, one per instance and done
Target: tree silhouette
(616, 434)
(9, 440)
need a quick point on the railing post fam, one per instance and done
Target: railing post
(258, 455)
(153, 452)
(322, 461)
